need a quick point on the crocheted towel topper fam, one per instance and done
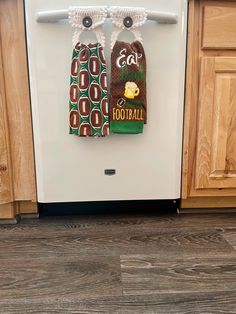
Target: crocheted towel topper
(88, 103)
(128, 106)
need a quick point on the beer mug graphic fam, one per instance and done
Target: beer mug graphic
(131, 90)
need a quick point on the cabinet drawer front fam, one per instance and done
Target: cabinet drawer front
(219, 27)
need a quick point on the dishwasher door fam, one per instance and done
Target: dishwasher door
(72, 169)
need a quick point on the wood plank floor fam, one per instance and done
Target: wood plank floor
(119, 264)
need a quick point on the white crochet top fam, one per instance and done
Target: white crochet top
(98, 16)
(118, 14)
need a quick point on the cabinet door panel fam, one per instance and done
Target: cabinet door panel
(219, 26)
(216, 146)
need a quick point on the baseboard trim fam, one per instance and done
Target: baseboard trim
(10, 221)
(209, 202)
(207, 210)
(29, 216)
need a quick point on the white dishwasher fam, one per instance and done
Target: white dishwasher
(144, 166)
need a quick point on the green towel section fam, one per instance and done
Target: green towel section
(124, 127)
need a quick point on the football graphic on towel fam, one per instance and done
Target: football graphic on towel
(78, 46)
(121, 102)
(105, 129)
(84, 55)
(103, 80)
(74, 67)
(74, 119)
(85, 129)
(96, 118)
(83, 79)
(84, 106)
(73, 93)
(104, 106)
(94, 66)
(95, 92)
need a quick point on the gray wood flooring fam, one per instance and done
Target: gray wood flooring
(119, 264)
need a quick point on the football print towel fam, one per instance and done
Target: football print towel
(88, 91)
(88, 81)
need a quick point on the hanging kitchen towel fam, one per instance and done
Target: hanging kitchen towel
(128, 106)
(88, 81)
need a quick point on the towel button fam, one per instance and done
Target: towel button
(87, 21)
(128, 21)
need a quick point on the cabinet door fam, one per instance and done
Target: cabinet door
(5, 177)
(16, 91)
(216, 145)
(17, 175)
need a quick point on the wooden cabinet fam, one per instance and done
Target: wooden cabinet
(17, 174)
(209, 176)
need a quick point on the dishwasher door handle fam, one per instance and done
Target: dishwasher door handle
(57, 15)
